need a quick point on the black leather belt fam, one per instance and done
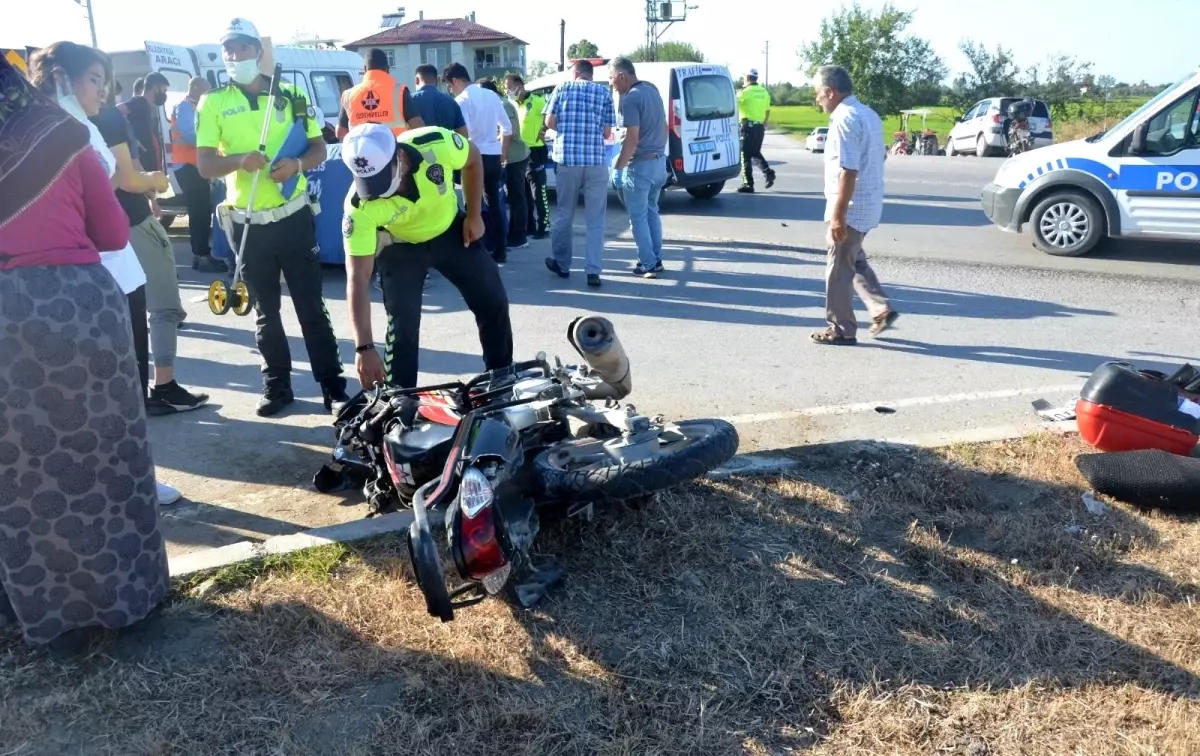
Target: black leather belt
(651, 156)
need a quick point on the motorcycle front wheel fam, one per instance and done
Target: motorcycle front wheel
(591, 469)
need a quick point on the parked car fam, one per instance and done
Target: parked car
(1138, 180)
(815, 142)
(981, 129)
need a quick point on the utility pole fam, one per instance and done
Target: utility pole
(658, 12)
(766, 64)
(562, 44)
(87, 6)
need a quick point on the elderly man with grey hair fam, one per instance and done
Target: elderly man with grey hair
(854, 155)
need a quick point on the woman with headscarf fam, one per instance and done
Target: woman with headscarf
(80, 546)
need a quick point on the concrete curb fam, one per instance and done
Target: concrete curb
(398, 522)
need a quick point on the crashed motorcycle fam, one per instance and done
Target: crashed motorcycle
(1018, 136)
(484, 461)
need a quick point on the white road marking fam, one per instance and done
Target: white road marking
(920, 401)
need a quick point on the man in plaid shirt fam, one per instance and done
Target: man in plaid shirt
(582, 113)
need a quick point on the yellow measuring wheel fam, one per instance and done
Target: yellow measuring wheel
(218, 298)
(243, 300)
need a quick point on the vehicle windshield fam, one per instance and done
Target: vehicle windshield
(1151, 104)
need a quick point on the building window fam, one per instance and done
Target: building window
(488, 57)
(433, 58)
(391, 55)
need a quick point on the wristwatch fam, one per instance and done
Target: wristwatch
(364, 348)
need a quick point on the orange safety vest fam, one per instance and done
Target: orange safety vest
(378, 98)
(181, 151)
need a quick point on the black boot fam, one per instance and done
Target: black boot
(336, 399)
(274, 400)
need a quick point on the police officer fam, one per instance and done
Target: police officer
(378, 98)
(754, 107)
(403, 209)
(229, 124)
(531, 113)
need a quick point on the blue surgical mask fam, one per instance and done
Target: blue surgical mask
(242, 71)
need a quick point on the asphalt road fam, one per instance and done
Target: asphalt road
(988, 324)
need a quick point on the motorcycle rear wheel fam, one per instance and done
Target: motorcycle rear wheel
(583, 471)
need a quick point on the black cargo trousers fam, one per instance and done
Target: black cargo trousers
(752, 142)
(289, 246)
(471, 270)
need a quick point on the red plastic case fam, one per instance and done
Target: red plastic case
(1121, 409)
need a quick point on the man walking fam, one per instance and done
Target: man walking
(229, 125)
(531, 109)
(754, 108)
(641, 166)
(854, 156)
(581, 112)
(197, 191)
(489, 130)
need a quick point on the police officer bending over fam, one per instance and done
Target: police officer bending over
(283, 238)
(404, 209)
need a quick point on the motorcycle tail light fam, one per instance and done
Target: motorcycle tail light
(479, 541)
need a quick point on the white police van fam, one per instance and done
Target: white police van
(1138, 180)
(703, 144)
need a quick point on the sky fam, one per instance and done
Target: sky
(1155, 43)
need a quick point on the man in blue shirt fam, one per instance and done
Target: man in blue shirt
(581, 112)
(197, 191)
(435, 107)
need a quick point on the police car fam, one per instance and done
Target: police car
(1138, 180)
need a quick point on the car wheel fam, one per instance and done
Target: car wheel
(950, 147)
(706, 191)
(981, 147)
(1067, 224)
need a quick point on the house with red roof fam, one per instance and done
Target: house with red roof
(440, 41)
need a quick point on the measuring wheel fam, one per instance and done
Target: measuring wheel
(218, 298)
(243, 300)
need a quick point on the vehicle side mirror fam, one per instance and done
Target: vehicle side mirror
(958, 119)
(1137, 143)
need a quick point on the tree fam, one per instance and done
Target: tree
(668, 51)
(1061, 85)
(890, 69)
(992, 74)
(583, 49)
(540, 68)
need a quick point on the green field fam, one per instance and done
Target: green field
(1084, 119)
(799, 120)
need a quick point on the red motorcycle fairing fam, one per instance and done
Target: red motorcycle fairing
(438, 407)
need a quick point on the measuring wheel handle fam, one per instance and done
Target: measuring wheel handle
(219, 297)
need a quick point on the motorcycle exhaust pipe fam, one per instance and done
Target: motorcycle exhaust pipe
(596, 340)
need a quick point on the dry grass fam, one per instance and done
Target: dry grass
(1069, 131)
(883, 601)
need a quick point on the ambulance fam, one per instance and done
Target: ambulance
(703, 145)
(1138, 180)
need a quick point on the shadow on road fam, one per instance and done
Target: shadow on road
(1050, 359)
(799, 207)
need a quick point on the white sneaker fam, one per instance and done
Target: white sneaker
(167, 494)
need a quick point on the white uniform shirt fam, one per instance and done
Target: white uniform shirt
(486, 120)
(855, 143)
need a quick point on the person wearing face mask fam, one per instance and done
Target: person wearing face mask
(403, 209)
(81, 547)
(142, 113)
(229, 123)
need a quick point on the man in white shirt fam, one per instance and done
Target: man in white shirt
(854, 155)
(489, 130)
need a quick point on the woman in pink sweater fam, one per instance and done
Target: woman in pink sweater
(80, 547)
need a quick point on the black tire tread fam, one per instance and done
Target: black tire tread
(619, 482)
